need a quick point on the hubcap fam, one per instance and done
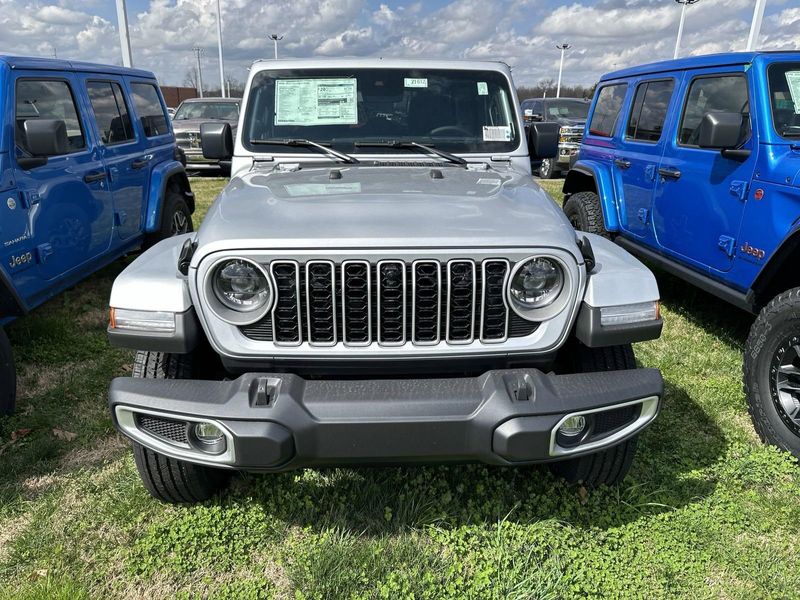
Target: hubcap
(785, 382)
(180, 224)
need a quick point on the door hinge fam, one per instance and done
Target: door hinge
(739, 189)
(727, 244)
(43, 252)
(643, 214)
(29, 198)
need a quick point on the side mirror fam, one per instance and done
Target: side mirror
(216, 140)
(543, 140)
(719, 130)
(46, 137)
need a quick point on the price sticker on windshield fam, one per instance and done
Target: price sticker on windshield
(793, 79)
(415, 82)
(496, 133)
(483, 88)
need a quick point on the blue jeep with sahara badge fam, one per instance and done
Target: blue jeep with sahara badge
(694, 164)
(89, 171)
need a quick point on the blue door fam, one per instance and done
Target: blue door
(120, 147)
(68, 204)
(638, 155)
(700, 194)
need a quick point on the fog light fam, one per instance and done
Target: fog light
(209, 438)
(573, 426)
(626, 314)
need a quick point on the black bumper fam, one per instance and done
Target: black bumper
(281, 421)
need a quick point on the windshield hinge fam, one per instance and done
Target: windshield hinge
(501, 158)
(287, 167)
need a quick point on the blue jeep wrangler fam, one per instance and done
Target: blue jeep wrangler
(694, 164)
(89, 171)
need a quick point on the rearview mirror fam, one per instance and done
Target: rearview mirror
(46, 137)
(719, 130)
(216, 140)
(543, 140)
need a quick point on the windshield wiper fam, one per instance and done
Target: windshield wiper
(308, 144)
(415, 146)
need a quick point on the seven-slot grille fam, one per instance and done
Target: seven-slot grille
(390, 302)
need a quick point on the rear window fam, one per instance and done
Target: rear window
(607, 109)
(151, 113)
(649, 110)
(110, 112)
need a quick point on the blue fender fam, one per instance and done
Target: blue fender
(159, 177)
(604, 185)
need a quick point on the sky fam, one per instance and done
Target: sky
(604, 34)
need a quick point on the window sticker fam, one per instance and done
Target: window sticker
(418, 82)
(307, 102)
(493, 133)
(793, 79)
(483, 88)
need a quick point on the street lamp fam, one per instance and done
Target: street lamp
(198, 52)
(561, 47)
(755, 26)
(684, 4)
(219, 44)
(275, 39)
(124, 36)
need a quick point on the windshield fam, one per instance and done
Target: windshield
(451, 110)
(567, 109)
(227, 111)
(784, 95)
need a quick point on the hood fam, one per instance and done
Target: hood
(384, 207)
(182, 125)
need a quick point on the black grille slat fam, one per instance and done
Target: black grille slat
(427, 302)
(391, 294)
(321, 303)
(356, 288)
(286, 314)
(168, 429)
(494, 320)
(460, 301)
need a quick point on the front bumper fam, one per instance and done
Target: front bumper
(276, 422)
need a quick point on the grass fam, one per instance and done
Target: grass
(707, 512)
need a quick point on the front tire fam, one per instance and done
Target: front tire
(168, 479)
(8, 376)
(772, 372)
(610, 466)
(547, 169)
(586, 214)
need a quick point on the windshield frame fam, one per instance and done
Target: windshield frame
(347, 143)
(235, 103)
(783, 65)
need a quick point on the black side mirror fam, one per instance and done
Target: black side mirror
(216, 140)
(719, 130)
(46, 137)
(543, 140)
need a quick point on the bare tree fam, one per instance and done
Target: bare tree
(190, 79)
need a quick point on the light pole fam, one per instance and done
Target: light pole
(755, 26)
(198, 52)
(124, 37)
(562, 47)
(219, 44)
(684, 4)
(275, 39)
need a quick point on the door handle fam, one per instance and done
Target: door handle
(622, 164)
(669, 173)
(141, 162)
(96, 176)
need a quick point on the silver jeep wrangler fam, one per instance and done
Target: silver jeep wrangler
(382, 281)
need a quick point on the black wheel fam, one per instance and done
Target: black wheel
(772, 372)
(609, 466)
(169, 479)
(176, 218)
(547, 169)
(585, 213)
(8, 376)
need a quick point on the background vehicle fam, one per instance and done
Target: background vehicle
(87, 173)
(694, 164)
(187, 120)
(570, 114)
(408, 302)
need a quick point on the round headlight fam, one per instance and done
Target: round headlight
(537, 283)
(241, 286)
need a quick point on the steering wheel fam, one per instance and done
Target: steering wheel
(450, 129)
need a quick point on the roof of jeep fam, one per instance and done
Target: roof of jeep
(698, 62)
(381, 63)
(57, 64)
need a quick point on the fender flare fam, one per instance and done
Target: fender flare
(159, 177)
(11, 303)
(603, 183)
(764, 281)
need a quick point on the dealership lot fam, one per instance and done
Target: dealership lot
(707, 510)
